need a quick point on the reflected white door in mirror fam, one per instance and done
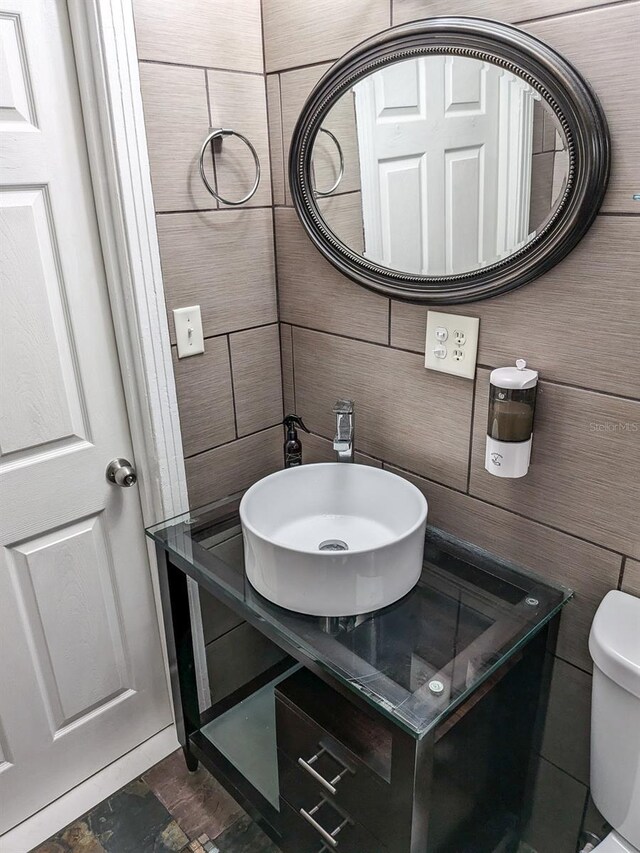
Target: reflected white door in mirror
(447, 160)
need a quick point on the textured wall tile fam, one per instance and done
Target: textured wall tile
(503, 10)
(631, 577)
(563, 322)
(205, 262)
(558, 805)
(233, 467)
(409, 323)
(341, 122)
(312, 293)
(222, 34)
(176, 121)
(236, 659)
(299, 32)
(402, 410)
(542, 196)
(611, 64)
(205, 399)
(585, 462)
(239, 101)
(278, 170)
(286, 345)
(588, 570)
(257, 378)
(568, 724)
(295, 86)
(217, 618)
(343, 215)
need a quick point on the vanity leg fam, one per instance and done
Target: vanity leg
(190, 760)
(542, 656)
(411, 785)
(177, 622)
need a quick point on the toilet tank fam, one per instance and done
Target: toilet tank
(614, 644)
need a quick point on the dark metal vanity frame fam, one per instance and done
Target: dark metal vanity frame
(516, 647)
(564, 90)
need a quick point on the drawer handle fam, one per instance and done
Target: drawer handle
(330, 786)
(327, 837)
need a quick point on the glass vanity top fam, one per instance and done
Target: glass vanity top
(416, 660)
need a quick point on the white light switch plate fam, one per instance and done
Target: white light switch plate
(189, 336)
(452, 344)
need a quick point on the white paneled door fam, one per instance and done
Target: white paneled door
(82, 679)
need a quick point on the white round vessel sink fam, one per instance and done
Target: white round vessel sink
(333, 539)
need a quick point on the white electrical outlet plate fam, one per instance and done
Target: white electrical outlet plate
(189, 336)
(452, 343)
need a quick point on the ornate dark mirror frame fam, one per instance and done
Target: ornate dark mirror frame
(564, 90)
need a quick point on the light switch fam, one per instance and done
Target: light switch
(189, 336)
(459, 358)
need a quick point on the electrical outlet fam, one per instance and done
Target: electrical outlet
(452, 343)
(189, 335)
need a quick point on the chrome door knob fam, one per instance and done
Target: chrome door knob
(121, 472)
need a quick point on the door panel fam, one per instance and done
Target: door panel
(403, 211)
(17, 111)
(81, 668)
(39, 377)
(465, 86)
(464, 192)
(60, 602)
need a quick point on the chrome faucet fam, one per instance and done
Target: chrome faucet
(344, 440)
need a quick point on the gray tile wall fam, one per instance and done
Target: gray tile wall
(201, 65)
(576, 517)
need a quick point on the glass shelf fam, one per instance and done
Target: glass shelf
(246, 736)
(468, 615)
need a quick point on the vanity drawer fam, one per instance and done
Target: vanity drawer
(363, 804)
(314, 761)
(301, 737)
(313, 833)
(360, 734)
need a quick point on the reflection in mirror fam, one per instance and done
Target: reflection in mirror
(450, 164)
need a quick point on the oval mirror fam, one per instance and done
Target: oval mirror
(449, 160)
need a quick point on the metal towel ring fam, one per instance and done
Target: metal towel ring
(218, 133)
(340, 173)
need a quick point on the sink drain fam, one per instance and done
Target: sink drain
(333, 545)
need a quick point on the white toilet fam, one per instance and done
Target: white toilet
(614, 644)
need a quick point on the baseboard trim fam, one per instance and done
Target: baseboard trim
(89, 793)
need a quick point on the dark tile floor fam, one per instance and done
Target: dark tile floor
(167, 810)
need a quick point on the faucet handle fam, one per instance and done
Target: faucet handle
(343, 407)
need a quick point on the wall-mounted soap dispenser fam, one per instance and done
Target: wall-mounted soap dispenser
(512, 401)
